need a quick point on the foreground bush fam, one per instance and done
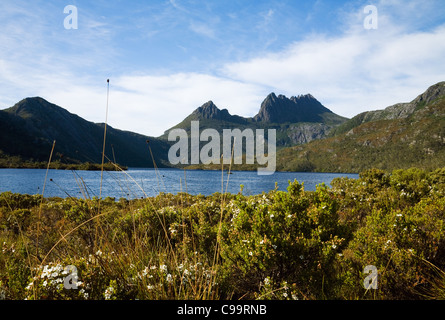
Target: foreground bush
(285, 237)
(279, 245)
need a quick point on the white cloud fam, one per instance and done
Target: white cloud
(352, 72)
(153, 104)
(149, 104)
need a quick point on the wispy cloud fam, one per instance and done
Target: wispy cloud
(349, 72)
(202, 29)
(267, 16)
(354, 71)
(175, 4)
(152, 104)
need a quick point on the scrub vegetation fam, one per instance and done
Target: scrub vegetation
(293, 244)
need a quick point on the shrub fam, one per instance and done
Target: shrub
(283, 236)
(279, 245)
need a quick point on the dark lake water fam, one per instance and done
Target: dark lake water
(149, 182)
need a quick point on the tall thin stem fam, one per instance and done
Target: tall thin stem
(105, 137)
(102, 164)
(41, 202)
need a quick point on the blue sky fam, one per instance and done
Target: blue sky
(166, 58)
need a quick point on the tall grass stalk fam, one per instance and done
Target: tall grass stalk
(41, 202)
(102, 163)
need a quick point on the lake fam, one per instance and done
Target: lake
(136, 183)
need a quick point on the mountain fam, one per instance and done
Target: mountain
(400, 136)
(396, 111)
(29, 128)
(211, 112)
(310, 137)
(210, 116)
(280, 109)
(297, 120)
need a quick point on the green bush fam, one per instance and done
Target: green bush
(292, 244)
(291, 237)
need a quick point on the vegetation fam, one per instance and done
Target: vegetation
(17, 162)
(277, 245)
(29, 128)
(416, 140)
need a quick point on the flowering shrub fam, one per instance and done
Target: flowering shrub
(400, 230)
(284, 236)
(279, 245)
(49, 282)
(401, 244)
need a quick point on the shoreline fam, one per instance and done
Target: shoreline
(87, 166)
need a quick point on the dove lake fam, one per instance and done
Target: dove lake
(137, 182)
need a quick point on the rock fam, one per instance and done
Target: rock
(280, 109)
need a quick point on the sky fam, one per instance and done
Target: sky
(166, 58)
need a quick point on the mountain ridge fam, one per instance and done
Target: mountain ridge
(399, 136)
(298, 119)
(29, 128)
(395, 111)
(403, 134)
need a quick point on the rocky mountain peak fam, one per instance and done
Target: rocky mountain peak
(208, 111)
(432, 93)
(280, 109)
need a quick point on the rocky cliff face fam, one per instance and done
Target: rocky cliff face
(304, 133)
(280, 109)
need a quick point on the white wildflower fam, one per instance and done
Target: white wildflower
(84, 293)
(108, 293)
(144, 272)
